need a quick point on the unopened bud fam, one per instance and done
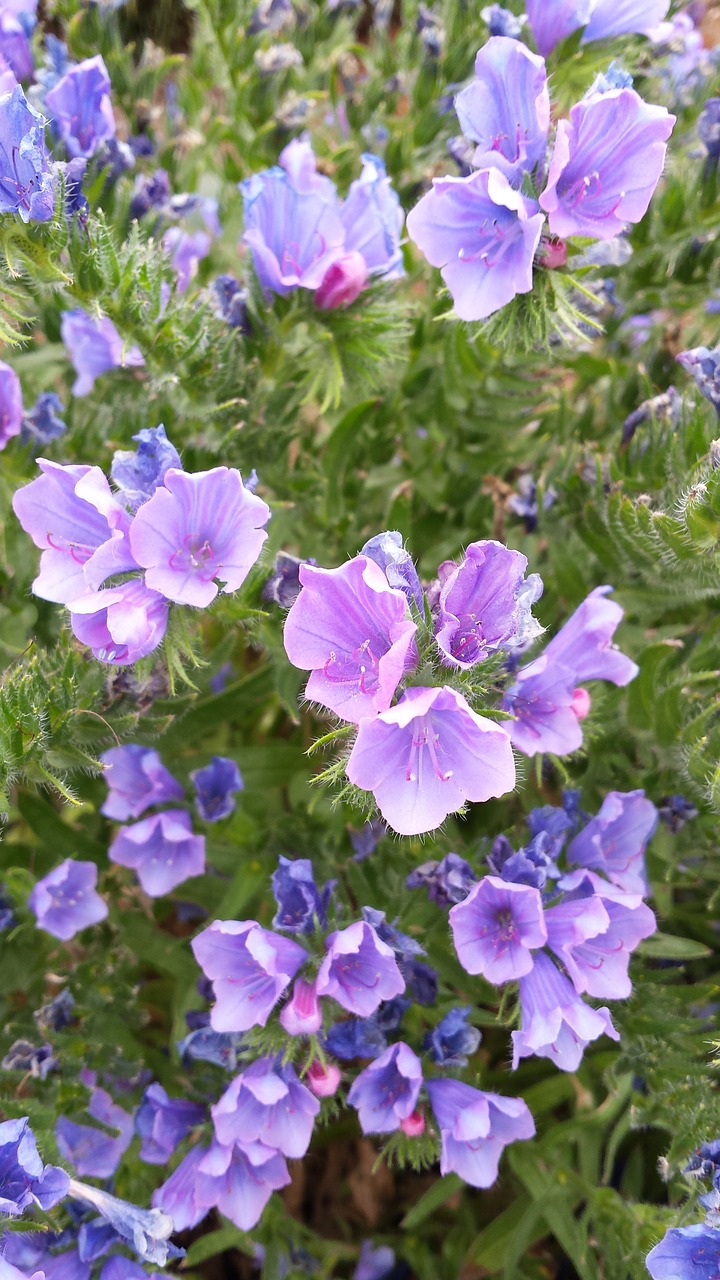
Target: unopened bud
(342, 282)
(323, 1081)
(581, 703)
(414, 1125)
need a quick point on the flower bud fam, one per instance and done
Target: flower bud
(342, 282)
(414, 1125)
(581, 703)
(301, 1015)
(323, 1081)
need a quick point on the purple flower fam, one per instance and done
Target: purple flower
(301, 1015)
(186, 249)
(607, 162)
(387, 550)
(386, 1092)
(24, 1179)
(704, 366)
(292, 223)
(686, 1253)
(355, 1038)
(427, 756)
(24, 1056)
(232, 301)
(161, 849)
(501, 22)
(593, 938)
(136, 778)
(177, 1197)
(614, 841)
(366, 839)
(73, 517)
(352, 631)
(250, 967)
(267, 1103)
(58, 1013)
(453, 1039)
(15, 48)
(359, 971)
(556, 1023)
(475, 1128)
(554, 20)
(137, 474)
(121, 624)
(26, 184)
(239, 1181)
(214, 787)
(81, 109)
(300, 906)
(147, 1230)
(150, 191)
(11, 406)
(95, 346)
(484, 236)
(506, 108)
(374, 1263)
(543, 703)
(42, 424)
(65, 900)
(198, 528)
(205, 1045)
(485, 604)
(675, 811)
(373, 220)
(94, 1153)
(496, 928)
(163, 1122)
(447, 881)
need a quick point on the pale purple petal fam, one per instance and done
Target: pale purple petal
(506, 108)
(496, 929)
(556, 1023)
(162, 850)
(250, 967)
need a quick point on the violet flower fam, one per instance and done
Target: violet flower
(501, 22)
(497, 927)
(42, 424)
(137, 474)
(704, 366)
(80, 107)
(506, 109)
(65, 900)
(427, 756)
(26, 184)
(196, 529)
(352, 631)
(692, 1251)
(95, 346)
(93, 1152)
(177, 1196)
(388, 551)
(386, 1092)
(136, 779)
(475, 1128)
(485, 604)
(359, 971)
(163, 1122)
(552, 21)
(556, 1023)
(373, 221)
(250, 967)
(453, 1040)
(147, 1230)
(267, 1103)
(614, 841)
(120, 624)
(15, 50)
(186, 249)
(24, 1179)
(161, 849)
(593, 938)
(11, 405)
(300, 905)
(355, 1038)
(447, 881)
(483, 234)
(607, 162)
(214, 788)
(239, 1181)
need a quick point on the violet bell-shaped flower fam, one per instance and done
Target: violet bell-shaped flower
(136, 779)
(239, 1181)
(300, 905)
(11, 405)
(506, 109)
(93, 1152)
(65, 900)
(386, 1092)
(359, 970)
(556, 1023)
(453, 1039)
(485, 604)
(427, 756)
(27, 185)
(483, 234)
(138, 473)
(388, 551)
(162, 851)
(162, 1123)
(196, 530)
(120, 624)
(80, 107)
(692, 1253)
(614, 841)
(475, 1128)
(353, 632)
(593, 938)
(301, 1016)
(267, 1103)
(606, 164)
(95, 346)
(24, 1179)
(250, 968)
(496, 929)
(147, 1230)
(552, 21)
(215, 788)
(373, 219)
(342, 283)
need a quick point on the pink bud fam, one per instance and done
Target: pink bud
(581, 703)
(342, 282)
(301, 1015)
(322, 1080)
(553, 253)
(414, 1125)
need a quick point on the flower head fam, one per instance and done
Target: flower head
(485, 604)
(163, 1122)
(196, 530)
(593, 937)
(386, 1092)
(81, 109)
(215, 786)
(239, 1181)
(120, 624)
(161, 849)
(427, 756)
(453, 1039)
(267, 1103)
(292, 227)
(359, 971)
(250, 967)
(26, 184)
(614, 841)
(147, 1230)
(137, 474)
(704, 366)
(373, 220)
(95, 346)
(65, 900)
(388, 551)
(556, 1023)
(42, 424)
(475, 1128)
(93, 1152)
(686, 1252)
(352, 631)
(136, 778)
(299, 903)
(497, 927)
(24, 1179)
(506, 108)
(554, 20)
(447, 881)
(301, 1015)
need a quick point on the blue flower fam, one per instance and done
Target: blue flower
(355, 1038)
(300, 905)
(215, 786)
(57, 1013)
(704, 366)
(147, 1230)
(205, 1045)
(42, 424)
(447, 882)
(453, 1039)
(387, 550)
(686, 1253)
(163, 1122)
(80, 107)
(138, 473)
(26, 182)
(24, 1180)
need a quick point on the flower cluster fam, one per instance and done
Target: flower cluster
(118, 560)
(360, 629)
(484, 229)
(302, 236)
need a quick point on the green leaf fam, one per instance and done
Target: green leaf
(665, 946)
